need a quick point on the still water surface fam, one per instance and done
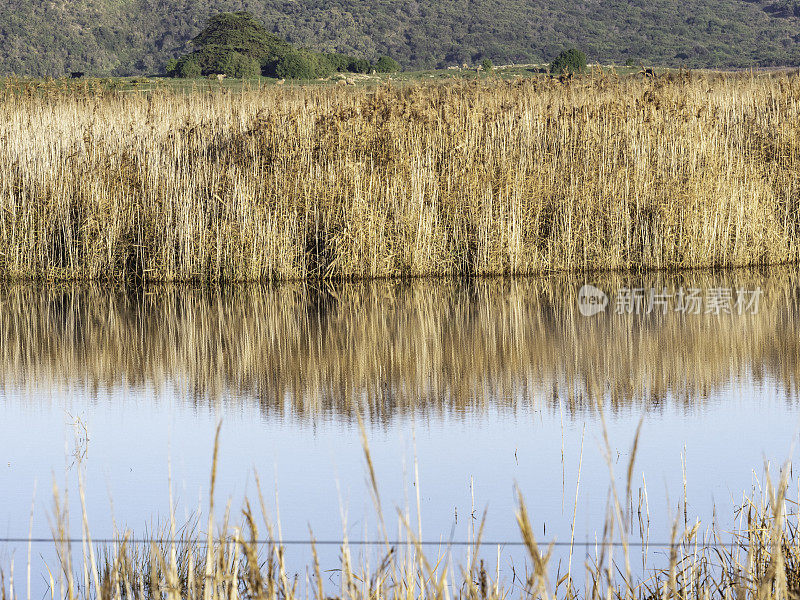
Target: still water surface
(490, 385)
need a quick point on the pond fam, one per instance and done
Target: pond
(466, 391)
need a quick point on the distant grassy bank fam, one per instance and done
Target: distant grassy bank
(457, 178)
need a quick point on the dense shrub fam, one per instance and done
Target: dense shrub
(231, 63)
(569, 61)
(386, 64)
(239, 66)
(359, 65)
(170, 67)
(187, 67)
(338, 62)
(325, 63)
(295, 65)
(216, 59)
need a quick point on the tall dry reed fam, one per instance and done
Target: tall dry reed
(454, 179)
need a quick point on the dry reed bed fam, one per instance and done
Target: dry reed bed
(397, 348)
(453, 179)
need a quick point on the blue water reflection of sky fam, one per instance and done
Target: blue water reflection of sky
(318, 469)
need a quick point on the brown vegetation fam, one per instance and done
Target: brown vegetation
(463, 178)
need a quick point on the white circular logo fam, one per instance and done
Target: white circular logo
(591, 300)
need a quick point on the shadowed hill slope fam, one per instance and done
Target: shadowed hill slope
(105, 37)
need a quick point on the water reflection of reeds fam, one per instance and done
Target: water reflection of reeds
(389, 347)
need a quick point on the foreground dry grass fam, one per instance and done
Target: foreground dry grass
(458, 179)
(758, 560)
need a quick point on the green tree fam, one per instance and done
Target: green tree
(569, 61)
(237, 45)
(240, 32)
(217, 59)
(386, 64)
(487, 65)
(187, 67)
(359, 65)
(338, 62)
(295, 65)
(239, 66)
(170, 67)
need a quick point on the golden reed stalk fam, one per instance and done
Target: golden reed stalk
(424, 179)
